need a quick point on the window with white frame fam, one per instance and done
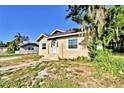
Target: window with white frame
(30, 48)
(72, 44)
(43, 45)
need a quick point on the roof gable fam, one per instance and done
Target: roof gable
(40, 37)
(57, 32)
(69, 32)
(60, 33)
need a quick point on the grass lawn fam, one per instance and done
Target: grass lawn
(115, 66)
(67, 74)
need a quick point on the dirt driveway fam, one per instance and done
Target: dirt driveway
(15, 62)
(9, 58)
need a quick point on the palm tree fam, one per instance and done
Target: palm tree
(114, 26)
(89, 15)
(18, 38)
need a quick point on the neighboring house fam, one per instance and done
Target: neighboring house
(3, 49)
(63, 44)
(29, 48)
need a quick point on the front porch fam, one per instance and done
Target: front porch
(50, 57)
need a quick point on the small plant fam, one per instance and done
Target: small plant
(81, 59)
(92, 47)
(103, 55)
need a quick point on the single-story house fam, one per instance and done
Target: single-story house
(29, 48)
(63, 44)
(3, 49)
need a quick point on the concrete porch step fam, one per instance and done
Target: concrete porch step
(50, 57)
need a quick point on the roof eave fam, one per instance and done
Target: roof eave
(57, 30)
(37, 40)
(64, 35)
(29, 44)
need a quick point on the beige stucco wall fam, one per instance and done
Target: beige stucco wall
(43, 52)
(62, 49)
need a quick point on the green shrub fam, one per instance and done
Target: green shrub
(92, 47)
(103, 55)
(99, 55)
(114, 66)
(81, 59)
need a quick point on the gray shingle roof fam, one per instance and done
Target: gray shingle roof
(29, 43)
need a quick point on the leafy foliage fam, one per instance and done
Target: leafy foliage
(101, 25)
(103, 55)
(93, 48)
(2, 44)
(92, 20)
(15, 44)
(114, 31)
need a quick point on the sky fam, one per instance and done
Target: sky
(32, 21)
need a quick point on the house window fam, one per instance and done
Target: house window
(43, 45)
(72, 44)
(30, 48)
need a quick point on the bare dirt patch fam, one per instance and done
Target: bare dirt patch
(9, 58)
(17, 60)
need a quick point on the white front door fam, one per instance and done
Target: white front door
(54, 46)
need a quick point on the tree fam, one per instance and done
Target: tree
(15, 44)
(19, 39)
(2, 44)
(114, 31)
(79, 14)
(105, 25)
(91, 18)
(11, 47)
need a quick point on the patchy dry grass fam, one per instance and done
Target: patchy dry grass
(62, 74)
(8, 54)
(20, 60)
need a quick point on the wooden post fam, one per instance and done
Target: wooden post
(62, 50)
(48, 48)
